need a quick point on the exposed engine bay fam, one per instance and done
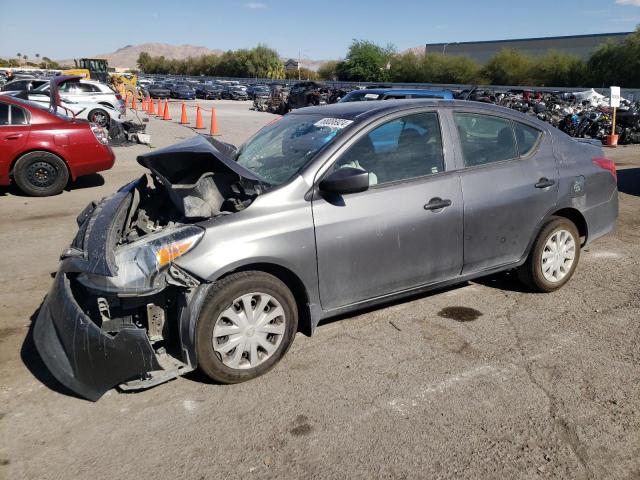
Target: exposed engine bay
(118, 277)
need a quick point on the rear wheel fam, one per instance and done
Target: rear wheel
(554, 256)
(40, 174)
(245, 327)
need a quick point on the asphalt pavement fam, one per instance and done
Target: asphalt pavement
(482, 380)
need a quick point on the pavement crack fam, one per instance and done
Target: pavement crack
(567, 431)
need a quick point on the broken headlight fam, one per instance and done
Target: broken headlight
(140, 262)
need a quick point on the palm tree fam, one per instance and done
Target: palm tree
(19, 55)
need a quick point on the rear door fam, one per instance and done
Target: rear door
(391, 237)
(14, 133)
(509, 184)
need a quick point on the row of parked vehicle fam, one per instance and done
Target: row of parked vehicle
(190, 90)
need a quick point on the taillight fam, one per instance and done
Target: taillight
(607, 164)
(118, 96)
(101, 134)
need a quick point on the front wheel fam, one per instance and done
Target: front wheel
(246, 325)
(554, 256)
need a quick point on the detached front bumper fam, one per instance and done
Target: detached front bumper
(80, 354)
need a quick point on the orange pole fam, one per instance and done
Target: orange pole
(199, 122)
(214, 123)
(183, 117)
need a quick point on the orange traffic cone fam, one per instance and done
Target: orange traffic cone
(159, 108)
(151, 110)
(214, 123)
(133, 102)
(183, 117)
(199, 122)
(167, 114)
(144, 104)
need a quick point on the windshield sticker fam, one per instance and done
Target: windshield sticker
(333, 123)
(372, 96)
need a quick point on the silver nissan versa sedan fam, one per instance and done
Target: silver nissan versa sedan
(218, 256)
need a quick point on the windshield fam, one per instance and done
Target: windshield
(280, 150)
(361, 95)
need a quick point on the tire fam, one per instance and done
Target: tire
(233, 365)
(40, 174)
(533, 274)
(100, 117)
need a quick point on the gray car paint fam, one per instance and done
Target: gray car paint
(278, 231)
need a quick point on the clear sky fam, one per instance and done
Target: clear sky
(320, 29)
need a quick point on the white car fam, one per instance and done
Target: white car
(98, 113)
(88, 91)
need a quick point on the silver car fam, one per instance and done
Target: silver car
(218, 256)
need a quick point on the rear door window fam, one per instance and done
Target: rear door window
(4, 114)
(19, 116)
(484, 138)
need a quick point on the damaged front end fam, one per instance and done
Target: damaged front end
(119, 311)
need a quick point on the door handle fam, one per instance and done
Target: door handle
(14, 136)
(545, 182)
(437, 203)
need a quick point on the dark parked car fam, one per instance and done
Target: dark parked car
(305, 94)
(22, 85)
(233, 92)
(158, 91)
(183, 92)
(42, 150)
(226, 254)
(395, 94)
(209, 92)
(258, 90)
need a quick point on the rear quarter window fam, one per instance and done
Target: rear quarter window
(527, 138)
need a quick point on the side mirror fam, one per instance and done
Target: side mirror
(346, 180)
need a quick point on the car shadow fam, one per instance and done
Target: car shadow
(31, 359)
(507, 280)
(629, 181)
(86, 181)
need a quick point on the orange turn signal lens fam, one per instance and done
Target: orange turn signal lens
(168, 253)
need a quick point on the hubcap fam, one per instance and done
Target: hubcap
(558, 255)
(41, 174)
(249, 331)
(99, 118)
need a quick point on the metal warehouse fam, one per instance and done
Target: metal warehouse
(579, 45)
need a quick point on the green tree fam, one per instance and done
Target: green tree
(366, 62)
(509, 67)
(327, 71)
(617, 64)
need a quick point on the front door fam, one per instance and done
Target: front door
(510, 183)
(405, 230)
(14, 132)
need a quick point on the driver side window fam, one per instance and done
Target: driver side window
(401, 149)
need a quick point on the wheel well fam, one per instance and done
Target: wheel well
(293, 282)
(22, 154)
(578, 220)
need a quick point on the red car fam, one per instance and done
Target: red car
(40, 150)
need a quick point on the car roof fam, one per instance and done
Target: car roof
(361, 110)
(382, 91)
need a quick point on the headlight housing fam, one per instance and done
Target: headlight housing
(140, 262)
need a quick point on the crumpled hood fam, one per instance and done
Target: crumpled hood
(171, 162)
